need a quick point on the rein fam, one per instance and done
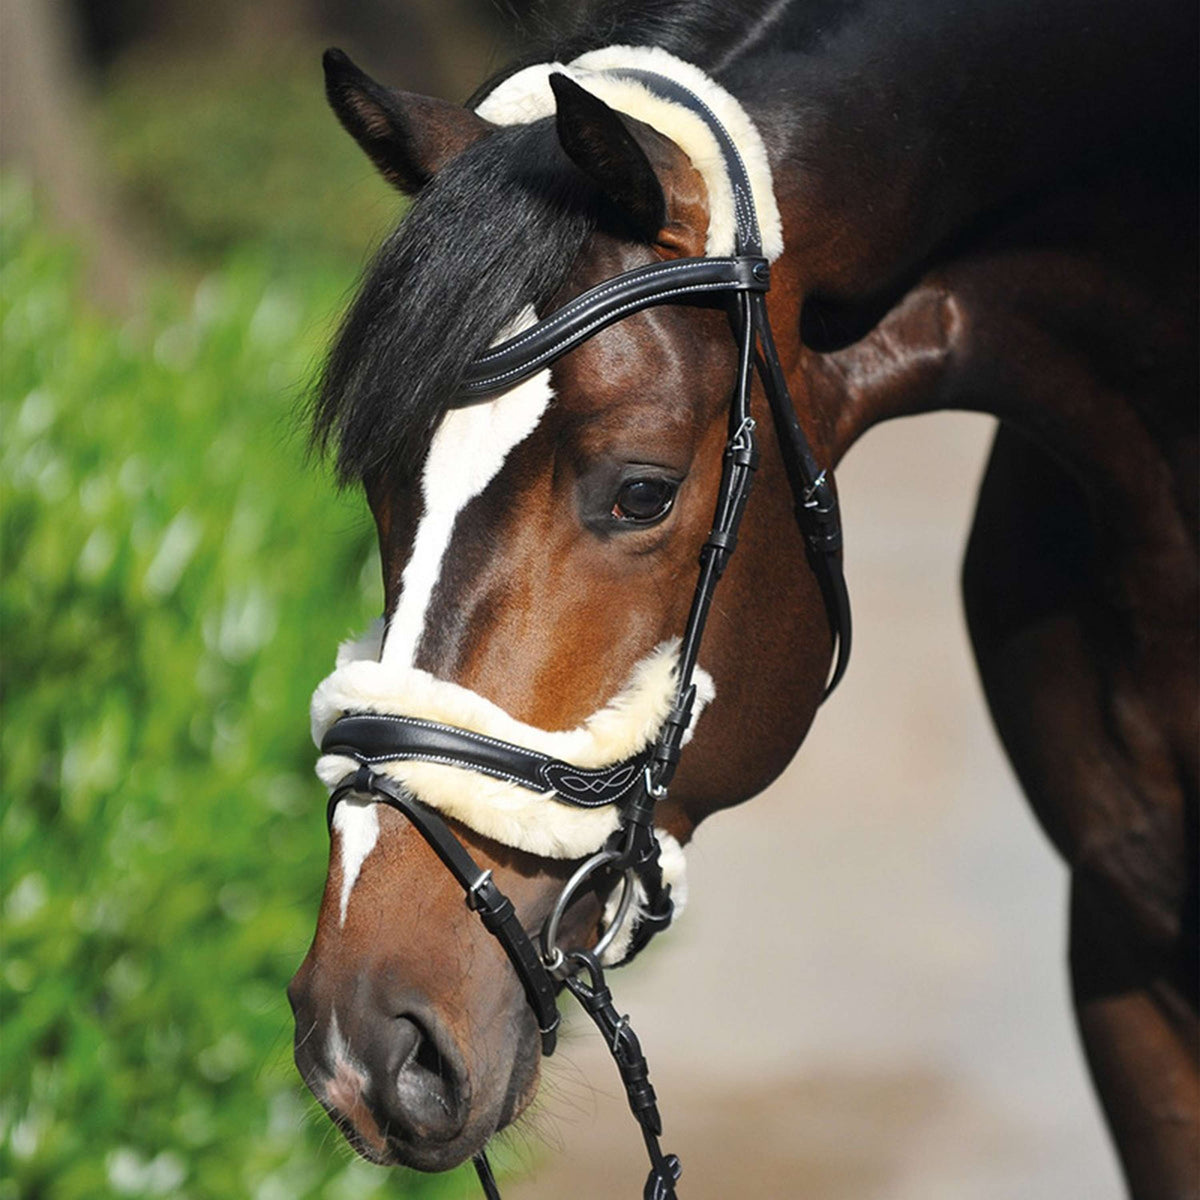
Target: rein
(640, 782)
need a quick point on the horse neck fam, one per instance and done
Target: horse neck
(713, 34)
(934, 167)
(906, 126)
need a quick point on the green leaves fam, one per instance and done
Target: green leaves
(175, 582)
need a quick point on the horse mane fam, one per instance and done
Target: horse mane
(497, 230)
(715, 35)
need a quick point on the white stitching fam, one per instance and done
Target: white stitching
(420, 722)
(544, 760)
(615, 284)
(495, 773)
(730, 144)
(582, 333)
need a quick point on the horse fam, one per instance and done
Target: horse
(971, 205)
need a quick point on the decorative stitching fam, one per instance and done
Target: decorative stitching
(584, 331)
(596, 775)
(421, 723)
(653, 271)
(494, 772)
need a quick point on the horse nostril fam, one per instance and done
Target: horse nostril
(426, 1056)
(404, 1040)
(426, 1092)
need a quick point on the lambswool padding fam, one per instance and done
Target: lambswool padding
(538, 823)
(526, 97)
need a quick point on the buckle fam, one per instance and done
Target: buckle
(475, 901)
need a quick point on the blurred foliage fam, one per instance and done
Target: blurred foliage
(210, 153)
(174, 581)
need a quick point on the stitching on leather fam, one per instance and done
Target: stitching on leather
(494, 772)
(546, 759)
(406, 756)
(728, 145)
(652, 272)
(612, 799)
(418, 723)
(581, 334)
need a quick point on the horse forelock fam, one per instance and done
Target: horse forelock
(494, 233)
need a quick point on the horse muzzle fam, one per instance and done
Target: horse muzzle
(390, 1073)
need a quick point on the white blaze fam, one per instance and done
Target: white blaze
(357, 826)
(468, 449)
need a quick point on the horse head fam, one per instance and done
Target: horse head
(539, 553)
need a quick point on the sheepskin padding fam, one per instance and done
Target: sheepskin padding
(526, 97)
(513, 815)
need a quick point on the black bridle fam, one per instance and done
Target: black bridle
(639, 783)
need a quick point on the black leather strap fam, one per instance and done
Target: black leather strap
(598, 307)
(813, 495)
(623, 1044)
(487, 1181)
(373, 738)
(483, 895)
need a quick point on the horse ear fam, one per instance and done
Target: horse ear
(611, 150)
(408, 137)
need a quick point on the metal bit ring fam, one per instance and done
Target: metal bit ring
(554, 958)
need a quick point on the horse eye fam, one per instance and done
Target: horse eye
(644, 500)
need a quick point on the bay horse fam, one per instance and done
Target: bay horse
(978, 205)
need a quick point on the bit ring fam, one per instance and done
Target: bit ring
(553, 956)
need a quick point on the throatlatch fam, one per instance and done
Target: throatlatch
(631, 855)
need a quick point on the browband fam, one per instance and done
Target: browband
(659, 283)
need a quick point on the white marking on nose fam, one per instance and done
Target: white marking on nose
(346, 1087)
(335, 1044)
(357, 825)
(467, 452)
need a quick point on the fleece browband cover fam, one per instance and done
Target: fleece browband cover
(526, 97)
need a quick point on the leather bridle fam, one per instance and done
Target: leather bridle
(639, 783)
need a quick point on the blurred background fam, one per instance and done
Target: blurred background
(867, 997)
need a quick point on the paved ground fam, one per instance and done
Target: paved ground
(867, 997)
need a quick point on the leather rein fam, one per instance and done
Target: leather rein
(631, 853)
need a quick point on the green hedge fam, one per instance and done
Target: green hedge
(213, 152)
(175, 579)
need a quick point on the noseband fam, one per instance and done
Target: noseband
(636, 784)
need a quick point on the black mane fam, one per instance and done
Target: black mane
(495, 231)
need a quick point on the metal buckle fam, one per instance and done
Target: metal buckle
(741, 439)
(656, 791)
(810, 493)
(474, 903)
